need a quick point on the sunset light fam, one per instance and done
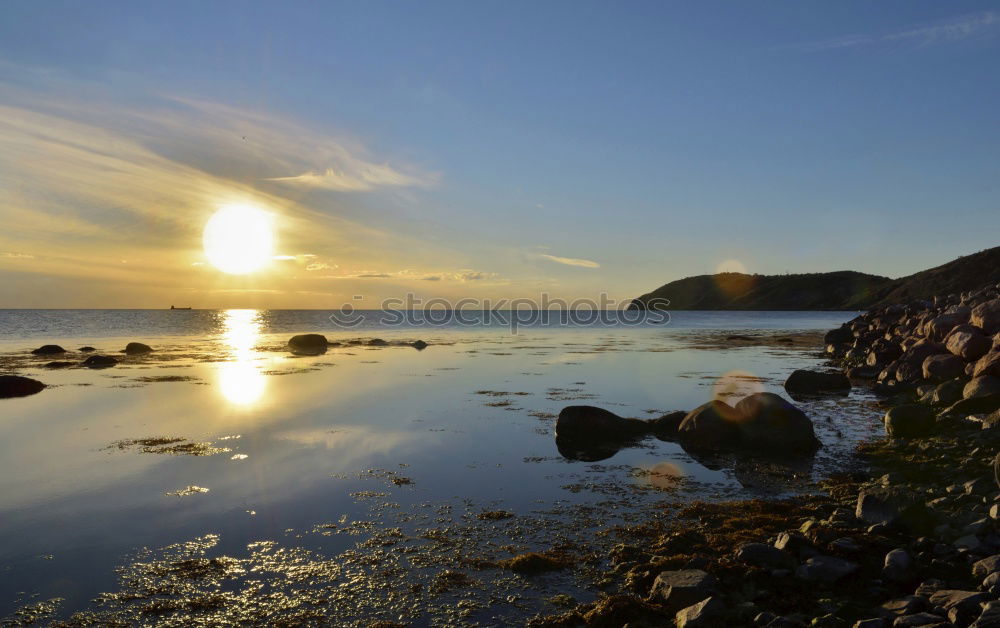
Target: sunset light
(238, 239)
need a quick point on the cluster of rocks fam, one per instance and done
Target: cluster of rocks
(316, 344)
(947, 349)
(18, 386)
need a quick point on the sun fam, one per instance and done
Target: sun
(239, 239)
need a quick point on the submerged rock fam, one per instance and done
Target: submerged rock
(811, 382)
(87, 349)
(99, 362)
(48, 350)
(710, 426)
(419, 345)
(137, 348)
(17, 386)
(308, 343)
(591, 424)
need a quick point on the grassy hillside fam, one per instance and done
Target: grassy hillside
(840, 290)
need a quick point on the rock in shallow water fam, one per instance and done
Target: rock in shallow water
(137, 348)
(48, 350)
(99, 362)
(17, 386)
(768, 422)
(308, 343)
(811, 382)
(592, 424)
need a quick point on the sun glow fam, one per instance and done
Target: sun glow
(241, 381)
(239, 239)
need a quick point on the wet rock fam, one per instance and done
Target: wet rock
(308, 343)
(419, 345)
(705, 614)
(768, 422)
(986, 316)
(812, 382)
(377, 342)
(710, 426)
(48, 350)
(592, 424)
(99, 362)
(666, 426)
(87, 349)
(17, 386)
(982, 386)
(681, 588)
(909, 421)
(943, 366)
(825, 569)
(137, 348)
(763, 555)
(58, 364)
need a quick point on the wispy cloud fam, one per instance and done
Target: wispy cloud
(986, 23)
(363, 178)
(571, 261)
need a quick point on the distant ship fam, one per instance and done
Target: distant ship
(179, 308)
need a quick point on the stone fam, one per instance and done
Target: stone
(841, 335)
(17, 386)
(58, 364)
(989, 364)
(876, 622)
(968, 343)
(906, 605)
(137, 348)
(666, 426)
(918, 619)
(943, 366)
(989, 617)
(768, 422)
(825, 569)
(812, 382)
(986, 316)
(986, 566)
(938, 327)
(87, 349)
(706, 613)
(681, 588)
(897, 565)
(891, 506)
(909, 421)
(983, 485)
(590, 424)
(99, 362)
(947, 392)
(48, 350)
(795, 543)
(377, 342)
(419, 345)
(921, 350)
(763, 555)
(308, 343)
(710, 426)
(948, 599)
(982, 386)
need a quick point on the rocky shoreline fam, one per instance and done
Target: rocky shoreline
(912, 542)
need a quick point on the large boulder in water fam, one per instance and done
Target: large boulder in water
(17, 386)
(99, 362)
(308, 343)
(811, 382)
(710, 426)
(137, 348)
(592, 424)
(768, 422)
(909, 421)
(49, 350)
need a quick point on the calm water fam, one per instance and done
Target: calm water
(327, 453)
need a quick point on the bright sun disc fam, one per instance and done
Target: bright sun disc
(239, 239)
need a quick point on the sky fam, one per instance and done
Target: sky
(487, 149)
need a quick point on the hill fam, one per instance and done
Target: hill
(840, 290)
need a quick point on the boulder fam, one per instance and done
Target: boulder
(825, 569)
(989, 618)
(137, 348)
(710, 426)
(810, 382)
(968, 342)
(982, 386)
(308, 343)
(989, 364)
(891, 506)
(972, 405)
(943, 366)
(419, 345)
(707, 613)
(909, 421)
(681, 588)
(58, 364)
(909, 373)
(768, 422)
(841, 335)
(99, 362)
(377, 342)
(17, 386)
(938, 327)
(986, 316)
(666, 426)
(986, 566)
(946, 392)
(921, 349)
(590, 424)
(87, 349)
(763, 555)
(48, 350)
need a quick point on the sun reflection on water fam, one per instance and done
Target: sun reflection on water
(241, 381)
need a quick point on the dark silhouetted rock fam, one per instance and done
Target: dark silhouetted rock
(768, 422)
(812, 382)
(986, 316)
(892, 506)
(377, 342)
(681, 588)
(909, 421)
(419, 345)
(87, 349)
(17, 386)
(841, 335)
(666, 426)
(308, 343)
(943, 366)
(972, 405)
(710, 426)
(707, 613)
(58, 365)
(825, 569)
(49, 350)
(590, 424)
(989, 364)
(137, 348)
(968, 342)
(763, 555)
(99, 362)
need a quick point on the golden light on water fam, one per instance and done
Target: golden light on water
(241, 381)
(239, 239)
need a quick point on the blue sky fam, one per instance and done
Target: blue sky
(491, 148)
